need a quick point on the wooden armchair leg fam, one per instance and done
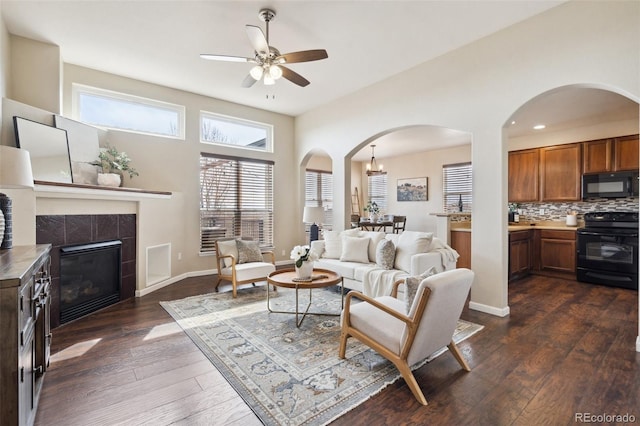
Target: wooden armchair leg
(407, 374)
(343, 344)
(453, 348)
(234, 286)
(217, 284)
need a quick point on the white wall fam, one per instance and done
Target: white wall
(476, 89)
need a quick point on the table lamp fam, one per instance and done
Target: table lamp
(313, 215)
(15, 172)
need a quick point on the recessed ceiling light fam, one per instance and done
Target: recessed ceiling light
(539, 127)
(513, 122)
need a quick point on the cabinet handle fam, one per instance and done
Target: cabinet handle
(38, 370)
(21, 304)
(22, 374)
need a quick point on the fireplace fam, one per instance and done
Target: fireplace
(90, 278)
(63, 231)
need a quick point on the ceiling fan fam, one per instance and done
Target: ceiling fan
(269, 62)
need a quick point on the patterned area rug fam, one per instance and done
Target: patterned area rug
(287, 375)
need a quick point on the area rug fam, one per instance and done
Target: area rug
(287, 375)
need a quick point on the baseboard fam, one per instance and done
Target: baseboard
(499, 312)
(172, 280)
(638, 344)
(177, 278)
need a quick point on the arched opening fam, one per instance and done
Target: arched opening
(411, 156)
(584, 125)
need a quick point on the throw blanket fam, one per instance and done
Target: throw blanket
(447, 254)
(379, 282)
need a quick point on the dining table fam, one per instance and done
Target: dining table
(380, 225)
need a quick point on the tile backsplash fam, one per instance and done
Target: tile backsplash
(558, 211)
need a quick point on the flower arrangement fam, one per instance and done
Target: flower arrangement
(113, 161)
(372, 207)
(302, 254)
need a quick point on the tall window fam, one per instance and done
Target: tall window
(223, 130)
(130, 113)
(378, 191)
(319, 192)
(236, 199)
(456, 184)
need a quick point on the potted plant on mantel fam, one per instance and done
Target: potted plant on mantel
(113, 164)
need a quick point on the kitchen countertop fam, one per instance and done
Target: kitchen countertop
(525, 226)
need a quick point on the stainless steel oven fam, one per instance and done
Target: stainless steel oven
(607, 249)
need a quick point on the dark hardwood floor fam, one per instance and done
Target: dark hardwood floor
(566, 348)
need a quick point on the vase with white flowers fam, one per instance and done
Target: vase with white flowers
(373, 210)
(303, 257)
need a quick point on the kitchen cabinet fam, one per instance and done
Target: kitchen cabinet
(460, 241)
(611, 155)
(560, 172)
(524, 175)
(625, 155)
(555, 252)
(25, 337)
(519, 254)
(597, 156)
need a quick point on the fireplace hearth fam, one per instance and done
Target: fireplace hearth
(90, 278)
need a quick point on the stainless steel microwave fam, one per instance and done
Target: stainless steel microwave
(610, 185)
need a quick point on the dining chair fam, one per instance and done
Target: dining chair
(399, 223)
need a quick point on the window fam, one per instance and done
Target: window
(319, 192)
(236, 199)
(378, 191)
(120, 111)
(223, 130)
(456, 185)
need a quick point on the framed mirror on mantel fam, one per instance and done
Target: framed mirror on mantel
(83, 149)
(48, 149)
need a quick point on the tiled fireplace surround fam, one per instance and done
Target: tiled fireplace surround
(66, 230)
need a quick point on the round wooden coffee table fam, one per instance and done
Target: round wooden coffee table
(320, 278)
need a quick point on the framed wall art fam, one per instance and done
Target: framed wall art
(413, 189)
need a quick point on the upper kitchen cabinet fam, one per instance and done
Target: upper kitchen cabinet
(611, 155)
(524, 175)
(560, 172)
(625, 155)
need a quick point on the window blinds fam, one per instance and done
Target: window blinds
(236, 200)
(457, 181)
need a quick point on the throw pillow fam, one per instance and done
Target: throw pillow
(412, 284)
(248, 251)
(332, 245)
(385, 254)
(375, 238)
(355, 249)
(409, 244)
(226, 248)
(333, 242)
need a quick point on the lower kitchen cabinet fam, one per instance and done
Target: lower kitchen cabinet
(461, 242)
(556, 252)
(519, 254)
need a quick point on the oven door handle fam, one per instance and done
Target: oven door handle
(600, 234)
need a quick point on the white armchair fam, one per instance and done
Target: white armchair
(241, 262)
(406, 338)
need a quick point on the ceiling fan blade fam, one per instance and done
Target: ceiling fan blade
(302, 56)
(294, 77)
(248, 81)
(227, 58)
(257, 39)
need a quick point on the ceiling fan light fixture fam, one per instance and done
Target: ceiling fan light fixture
(275, 72)
(256, 72)
(268, 80)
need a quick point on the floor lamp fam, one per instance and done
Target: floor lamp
(15, 172)
(313, 215)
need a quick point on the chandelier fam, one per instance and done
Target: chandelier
(373, 168)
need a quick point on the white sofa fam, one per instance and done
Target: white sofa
(415, 253)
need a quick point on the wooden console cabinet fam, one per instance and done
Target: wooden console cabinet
(25, 335)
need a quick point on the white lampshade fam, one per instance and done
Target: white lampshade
(15, 168)
(313, 215)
